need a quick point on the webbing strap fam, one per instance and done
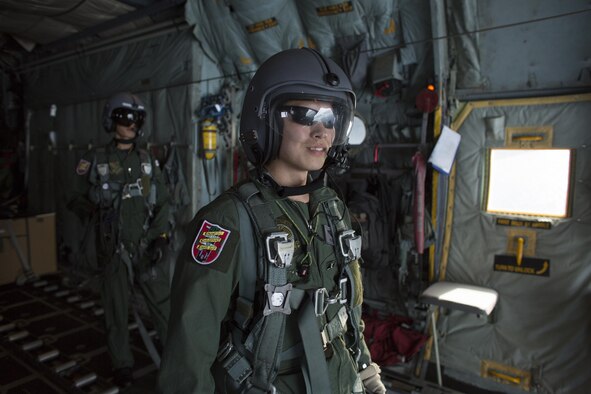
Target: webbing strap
(248, 246)
(269, 340)
(100, 170)
(268, 348)
(140, 325)
(315, 359)
(352, 318)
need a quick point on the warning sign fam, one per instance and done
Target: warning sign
(528, 265)
(524, 223)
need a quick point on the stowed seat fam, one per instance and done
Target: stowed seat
(458, 296)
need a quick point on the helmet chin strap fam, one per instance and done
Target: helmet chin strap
(287, 191)
(126, 141)
(337, 157)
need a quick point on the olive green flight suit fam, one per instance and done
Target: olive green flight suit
(120, 218)
(202, 293)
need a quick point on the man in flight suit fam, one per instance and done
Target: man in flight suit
(287, 238)
(119, 187)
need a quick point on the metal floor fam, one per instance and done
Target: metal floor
(52, 341)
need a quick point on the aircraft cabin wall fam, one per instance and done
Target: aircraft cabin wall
(520, 89)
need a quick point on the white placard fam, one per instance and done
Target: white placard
(442, 157)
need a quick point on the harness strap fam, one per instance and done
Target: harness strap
(100, 170)
(269, 343)
(317, 370)
(352, 318)
(248, 279)
(349, 246)
(147, 171)
(336, 327)
(141, 327)
(265, 340)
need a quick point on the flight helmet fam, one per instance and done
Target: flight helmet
(124, 108)
(293, 74)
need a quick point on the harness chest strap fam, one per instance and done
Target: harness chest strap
(111, 193)
(109, 190)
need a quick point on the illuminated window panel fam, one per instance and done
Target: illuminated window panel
(533, 182)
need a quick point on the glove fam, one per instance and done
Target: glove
(158, 248)
(372, 380)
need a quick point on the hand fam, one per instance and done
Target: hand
(372, 380)
(158, 248)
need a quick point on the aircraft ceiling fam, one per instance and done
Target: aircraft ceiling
(35, 29)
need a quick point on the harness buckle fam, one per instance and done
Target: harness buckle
(350, 244)
(343, 291)
(279, 249)
(234, 364)
(134, 189)
(319, 304)
(277, 299)
(336, 327)
(224, 350)
(322, 297)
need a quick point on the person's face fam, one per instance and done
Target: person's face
(125, 132)
(304, 146)
(127, 122)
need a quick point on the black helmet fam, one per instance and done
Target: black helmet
(124, 108)
(300, 74)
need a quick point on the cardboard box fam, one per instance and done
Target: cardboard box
(36, 238)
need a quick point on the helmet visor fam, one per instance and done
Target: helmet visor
(337, 117)
(126, 117)
(308, 116)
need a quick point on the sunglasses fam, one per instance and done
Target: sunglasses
(126, 117)
(308, 116)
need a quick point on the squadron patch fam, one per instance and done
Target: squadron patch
(82, 167)
(209, 243)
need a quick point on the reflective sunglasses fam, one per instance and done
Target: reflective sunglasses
(308, 116)
(126, 117)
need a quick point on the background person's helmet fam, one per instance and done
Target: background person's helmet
(125, 108)
(300, 74)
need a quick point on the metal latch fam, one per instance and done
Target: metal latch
(279, 249)
(350, 244)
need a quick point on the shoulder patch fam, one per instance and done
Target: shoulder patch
(82, 167)
(209, 243)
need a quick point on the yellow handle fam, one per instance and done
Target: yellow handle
(512, 379)
(527, 138)
(520, 243)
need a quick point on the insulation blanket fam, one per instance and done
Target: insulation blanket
(541, 323)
